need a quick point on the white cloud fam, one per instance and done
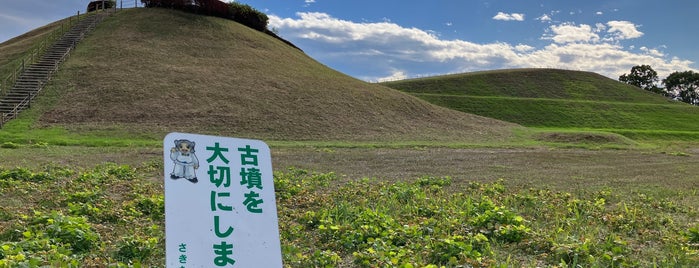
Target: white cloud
(571, 33)
(599, 13)
(307, 3)
(508, 17)
(623, 29)
(599, 27)
(395, 75)
(652, 52)
(391, 51)
(524, 48)
(544, 18)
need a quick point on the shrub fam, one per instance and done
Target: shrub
(9, 145)
(49, 238)
(71, 231)
(249, 16)
(23, 174)
(132, 248)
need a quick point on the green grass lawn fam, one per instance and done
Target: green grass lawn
(639, 120)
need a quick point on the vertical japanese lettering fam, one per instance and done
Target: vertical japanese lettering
(220, 177)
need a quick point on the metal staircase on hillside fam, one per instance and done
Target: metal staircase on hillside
(33, 78)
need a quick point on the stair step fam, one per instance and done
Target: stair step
(57, 54)
(23, 91)
(10, 106)
(10, 111)
(12, 102)
(34, 73)
(26, 85)
(37, 67)
(19, 93)
(15, 99)
(38, 72)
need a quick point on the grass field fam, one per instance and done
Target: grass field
(365, 176)
(579, 209)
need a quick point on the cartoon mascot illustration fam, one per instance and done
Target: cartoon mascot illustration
(186, 162)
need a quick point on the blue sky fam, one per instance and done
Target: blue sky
(388, 40)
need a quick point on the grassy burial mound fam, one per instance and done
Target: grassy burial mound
(158, 70)
(551, 98)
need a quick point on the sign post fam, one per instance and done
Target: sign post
(220, 209)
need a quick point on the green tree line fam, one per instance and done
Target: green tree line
(682, 86)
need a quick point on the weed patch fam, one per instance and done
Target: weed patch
(430, 223)
(112, 216)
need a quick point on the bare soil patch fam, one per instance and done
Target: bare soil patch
(558, 169)
(582, 137)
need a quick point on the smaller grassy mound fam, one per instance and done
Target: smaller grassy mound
(530, 83)
(561, 113)
(549, 98)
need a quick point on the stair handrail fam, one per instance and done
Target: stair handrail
(27, 100)
(34, 53)
(15, 110)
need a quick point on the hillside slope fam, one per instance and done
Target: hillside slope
(156, 70)
(530, 83)
(554, 98)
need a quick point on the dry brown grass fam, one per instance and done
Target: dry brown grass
(159, 70)
(559, 169)
(569, 170)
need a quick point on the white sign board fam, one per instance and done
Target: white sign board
(220, 208)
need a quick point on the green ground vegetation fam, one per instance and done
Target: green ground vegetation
(112, 215)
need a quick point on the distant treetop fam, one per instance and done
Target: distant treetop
(241, 13)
